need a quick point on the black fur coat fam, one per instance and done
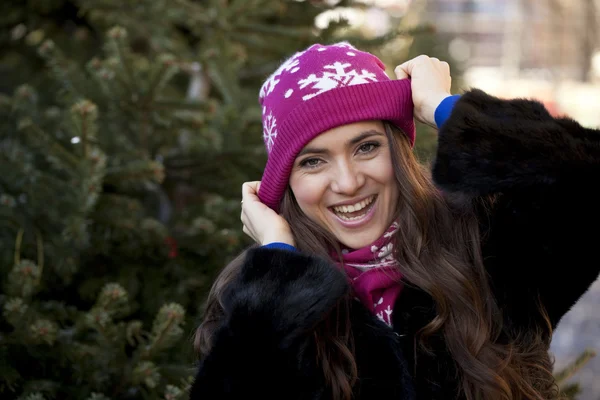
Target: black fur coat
(540, 243)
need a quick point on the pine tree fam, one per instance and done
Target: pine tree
(127, 128)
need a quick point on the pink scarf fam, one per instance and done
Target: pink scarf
(374, 275)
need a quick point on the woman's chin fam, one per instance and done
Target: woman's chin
(359, 240)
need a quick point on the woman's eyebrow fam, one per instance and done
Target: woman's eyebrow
(353, 141)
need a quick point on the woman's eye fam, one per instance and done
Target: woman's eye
(310, 162)
(367, 147)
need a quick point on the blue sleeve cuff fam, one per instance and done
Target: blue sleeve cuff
(278, 245)
(443, 110)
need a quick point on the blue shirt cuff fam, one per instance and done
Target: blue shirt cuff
(279, 245)
(443, 110)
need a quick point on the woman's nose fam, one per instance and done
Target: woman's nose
(347, 179)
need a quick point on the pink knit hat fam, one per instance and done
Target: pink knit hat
(319, 89)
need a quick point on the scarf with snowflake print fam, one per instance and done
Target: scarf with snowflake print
(375, 275)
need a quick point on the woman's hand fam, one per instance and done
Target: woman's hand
(261, 223)
(430, 84)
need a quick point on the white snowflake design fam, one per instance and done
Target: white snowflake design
(270, 131)
(332, 80)
(387, 262)
(347, 46)
(386, 251)
(384, 255)
(386, 315)
(291, 65)
(394, 228)
(344, 45)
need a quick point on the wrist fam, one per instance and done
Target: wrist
(432, 106)
(444, 109)
(280, 237)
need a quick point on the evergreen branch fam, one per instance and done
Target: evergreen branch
(145, 131)
(48, 180)
(168, 104)
(124, 82)
(98, 326)
(114, 47)
(296, 33)
(123, 224)
(9, 376)
(118, 205)
(241, 7)
(570, 390)
(86, 112)
(255, 42)
(58, 64)
(250, 41)
(572, 368)
(119, 41)
(257, 71)
(220, 82)
(54, 146)
(367, 43)
(222, 158)
(267, 9)
(198, 12)
(136, 171)
(40, 253)
(84, 135)
(162, 335)
(9, 217)
(155, 82)
(167, 68)
(18, 242)
(166, 326)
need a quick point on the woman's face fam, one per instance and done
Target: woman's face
(344, 181)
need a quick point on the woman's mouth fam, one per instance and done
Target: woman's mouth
(355, 214)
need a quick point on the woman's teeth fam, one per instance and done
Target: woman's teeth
(349, 213)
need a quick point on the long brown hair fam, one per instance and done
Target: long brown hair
(439, 250)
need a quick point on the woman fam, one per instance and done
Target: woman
(374, 280)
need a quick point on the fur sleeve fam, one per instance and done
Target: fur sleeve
(490, 145)
(539, 241)
(263, 349)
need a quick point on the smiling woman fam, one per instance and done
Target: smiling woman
(375, 277)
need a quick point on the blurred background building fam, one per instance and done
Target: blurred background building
(541, 48)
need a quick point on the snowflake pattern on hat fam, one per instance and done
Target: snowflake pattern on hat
(331, 80)
(270, 131)
(290, 65)
(329, 75)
